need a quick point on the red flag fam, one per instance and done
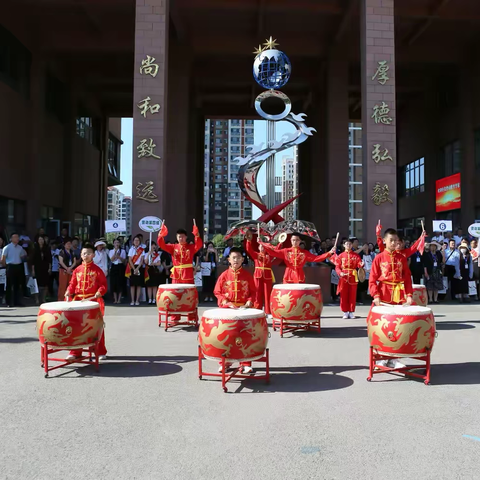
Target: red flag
(421, 244)
(163, 231)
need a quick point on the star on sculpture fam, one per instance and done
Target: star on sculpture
(270, 43)
(258, 50)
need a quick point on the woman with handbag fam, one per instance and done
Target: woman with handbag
(433, 263)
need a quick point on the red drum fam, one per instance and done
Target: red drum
(69, 324)
(420, 296)
(296, 302)
(238, 334)
(401, 331)
(179, 298)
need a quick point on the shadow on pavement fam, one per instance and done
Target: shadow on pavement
(302, 379)
(19, 340)
(453, 326)
(155, 366)
(456, 374)
(19, 322)
(330, 332)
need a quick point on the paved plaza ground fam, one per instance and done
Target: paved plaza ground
(146, 415)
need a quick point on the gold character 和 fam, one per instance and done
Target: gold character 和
(145, 107)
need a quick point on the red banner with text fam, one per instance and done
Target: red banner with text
(448, 195)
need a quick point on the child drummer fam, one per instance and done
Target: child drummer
(235, 288)
(88, 282)
(390, 280)
(346, 265)
(390, 270)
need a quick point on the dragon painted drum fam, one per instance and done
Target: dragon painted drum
(401, 331)
(69, 324)
(420, 296)
(180, 298)
(300, 302)
(238, 334)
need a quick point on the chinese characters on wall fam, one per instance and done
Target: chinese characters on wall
(381, 116)
(146, 147)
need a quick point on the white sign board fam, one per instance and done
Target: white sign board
(150, 224)
(442, 226)
(474, 230)
(115, 226)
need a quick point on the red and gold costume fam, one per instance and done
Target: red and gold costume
(295, 258)
(235, 287)
(263, 277)
(390, 270)
(406, 252)
(182, 256)
(87, 280)
(347, 263)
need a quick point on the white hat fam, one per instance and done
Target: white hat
(100, 242)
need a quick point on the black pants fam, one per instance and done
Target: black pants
(450, 273)
(15, 282)
(417, 277)
(51, 282)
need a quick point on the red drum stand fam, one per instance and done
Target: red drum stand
(287, 326)
(173, 319)
(407, 370)
(236, 373)
(46, 351)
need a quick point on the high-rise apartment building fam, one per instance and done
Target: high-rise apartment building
(119, 207)
(290, 184)
(355, 179)
(224, 205)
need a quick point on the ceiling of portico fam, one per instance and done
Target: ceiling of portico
(93, 41)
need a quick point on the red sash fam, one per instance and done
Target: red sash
(138, 254)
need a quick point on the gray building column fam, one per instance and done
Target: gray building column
(378, 115)
(149, 109)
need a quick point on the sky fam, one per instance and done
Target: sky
(260, 132)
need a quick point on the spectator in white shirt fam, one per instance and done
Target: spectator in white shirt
(458, 237)
(101, 256)
(438, 237)
(118, 257)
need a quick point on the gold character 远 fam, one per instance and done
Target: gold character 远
(145, 192)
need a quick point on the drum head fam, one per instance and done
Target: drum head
(361, 275)
(401, 310)
(296, 286)
(176, 286)
(233, 314)
(68, 306)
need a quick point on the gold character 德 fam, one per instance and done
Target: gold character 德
(145, 192)
(381, 194)
(149, 67)
(146, 148)
(379, 155)
(145, 106)
(380, 114)
(381, 73)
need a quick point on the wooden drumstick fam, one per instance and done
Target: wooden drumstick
(423, 228)
(88, 299)
(336, 241)
(194, 223)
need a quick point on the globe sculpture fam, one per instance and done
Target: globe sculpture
(272, 69)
